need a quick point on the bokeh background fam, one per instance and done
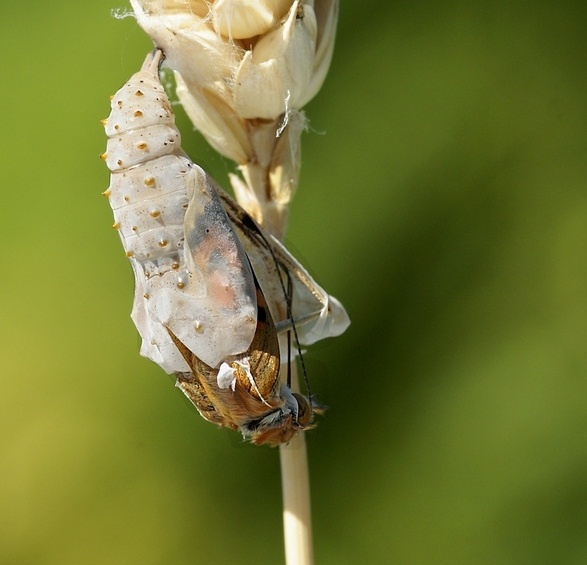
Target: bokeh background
(443, 200)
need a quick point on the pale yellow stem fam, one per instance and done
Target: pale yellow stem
(295, 486)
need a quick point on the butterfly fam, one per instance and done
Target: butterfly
(208, 282)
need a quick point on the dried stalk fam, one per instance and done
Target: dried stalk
(295, 487)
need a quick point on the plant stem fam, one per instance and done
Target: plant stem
(295, 486)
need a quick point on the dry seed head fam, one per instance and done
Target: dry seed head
(242, 59)
(239, 19)
(280, 66)
(244, 70)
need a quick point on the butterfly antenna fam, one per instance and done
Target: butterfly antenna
(288, 359)
(289, 299)
(288, 295)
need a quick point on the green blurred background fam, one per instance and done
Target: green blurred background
(443, 200)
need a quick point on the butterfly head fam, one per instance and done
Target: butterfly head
(278, 426)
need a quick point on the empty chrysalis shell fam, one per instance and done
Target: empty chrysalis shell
(196, 281)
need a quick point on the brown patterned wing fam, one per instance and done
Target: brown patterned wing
(255, 391)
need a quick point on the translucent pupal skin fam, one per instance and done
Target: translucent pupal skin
(316, 314)
(191, 272)
(265, 411)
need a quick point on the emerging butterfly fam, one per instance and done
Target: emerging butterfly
(208, 282)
